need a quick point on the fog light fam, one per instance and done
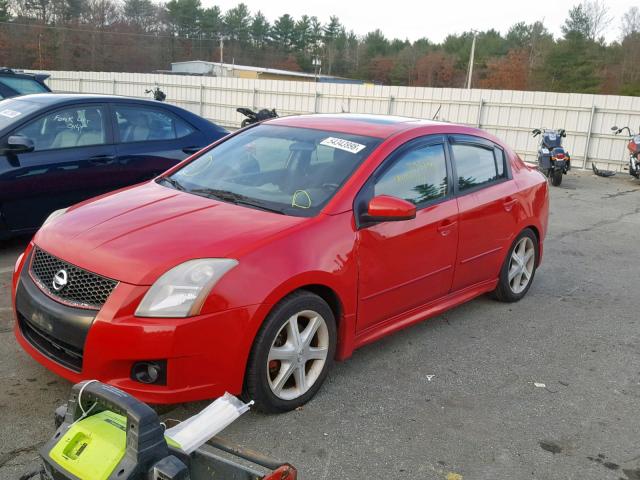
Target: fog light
(150, 372)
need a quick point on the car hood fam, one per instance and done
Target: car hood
(137, 234)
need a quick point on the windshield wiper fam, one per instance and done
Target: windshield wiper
(173, 182)
(235, 198)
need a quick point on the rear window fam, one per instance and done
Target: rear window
(13, 111)
(24, 86)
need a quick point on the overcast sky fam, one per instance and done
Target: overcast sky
(432, 19)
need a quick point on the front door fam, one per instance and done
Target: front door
(406, 264)
(73, 160)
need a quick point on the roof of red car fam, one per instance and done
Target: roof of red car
(381, 126)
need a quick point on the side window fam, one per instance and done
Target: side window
(142, 124)
(71, 127)
(476, 165)
(418, 176)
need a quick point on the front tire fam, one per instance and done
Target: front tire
(556, 178)
(519, 268)
(291, 354)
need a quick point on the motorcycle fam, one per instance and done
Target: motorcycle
(634, 150)
(157, 94)
(553, 160)
(255, 117)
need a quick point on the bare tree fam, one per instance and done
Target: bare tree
(630, 22)
(101, 13)
(599, 18)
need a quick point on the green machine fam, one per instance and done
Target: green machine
(105, 434)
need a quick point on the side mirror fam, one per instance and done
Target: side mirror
(563, 133)
(385, 208)
(614, 128)
(19, 144)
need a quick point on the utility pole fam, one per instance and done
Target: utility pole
(471, 59)
(221, 49)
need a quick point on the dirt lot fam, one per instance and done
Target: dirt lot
(455, 395)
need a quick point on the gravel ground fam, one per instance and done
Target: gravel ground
(454, 397)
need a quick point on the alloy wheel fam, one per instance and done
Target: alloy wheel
(298, 355)
(521, 265)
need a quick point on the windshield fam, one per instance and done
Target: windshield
(24, 86)
(552, 138)
(12, 111)
(289, 170)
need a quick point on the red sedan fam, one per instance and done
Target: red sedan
(251, 266)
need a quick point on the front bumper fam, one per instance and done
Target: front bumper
(206, 355)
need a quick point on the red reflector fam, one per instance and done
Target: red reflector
(559, 156)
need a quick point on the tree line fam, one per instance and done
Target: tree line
(144, 36)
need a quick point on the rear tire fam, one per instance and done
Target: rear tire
(519, 268)
(556, 178)
(291, 354)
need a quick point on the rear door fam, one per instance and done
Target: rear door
(151, 140)
(488, 208)
(406, 264)
(73, 159)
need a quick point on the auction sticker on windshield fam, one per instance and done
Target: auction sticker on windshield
(342, 144)
(10, 113)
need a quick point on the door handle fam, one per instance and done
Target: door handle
(102, 159)
(509, 203)
(445, 227)
(191, 150)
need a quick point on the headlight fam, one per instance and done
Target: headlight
(181, 291)
(55, 215)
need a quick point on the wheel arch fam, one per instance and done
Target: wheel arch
(536, 232)
(337, 298)
(329, 295)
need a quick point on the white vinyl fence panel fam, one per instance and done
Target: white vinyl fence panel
(508, 114)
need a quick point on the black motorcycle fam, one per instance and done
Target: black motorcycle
(553, 160)
(157, 94)
(634, 150)
(255, 117)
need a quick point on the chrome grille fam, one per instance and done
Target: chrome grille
(83, 289)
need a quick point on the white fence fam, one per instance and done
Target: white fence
(508, 114)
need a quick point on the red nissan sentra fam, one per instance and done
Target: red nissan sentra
(255, 263)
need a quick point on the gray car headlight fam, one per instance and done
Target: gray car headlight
(55, 215)
(181, 291)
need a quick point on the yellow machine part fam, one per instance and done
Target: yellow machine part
(92, 448)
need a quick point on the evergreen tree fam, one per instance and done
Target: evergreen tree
(303, 34)
(260, 29)
(183, 16)
(5, 13)
(237, 23)
(283, 32)
(140, 13)
(210, 22)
